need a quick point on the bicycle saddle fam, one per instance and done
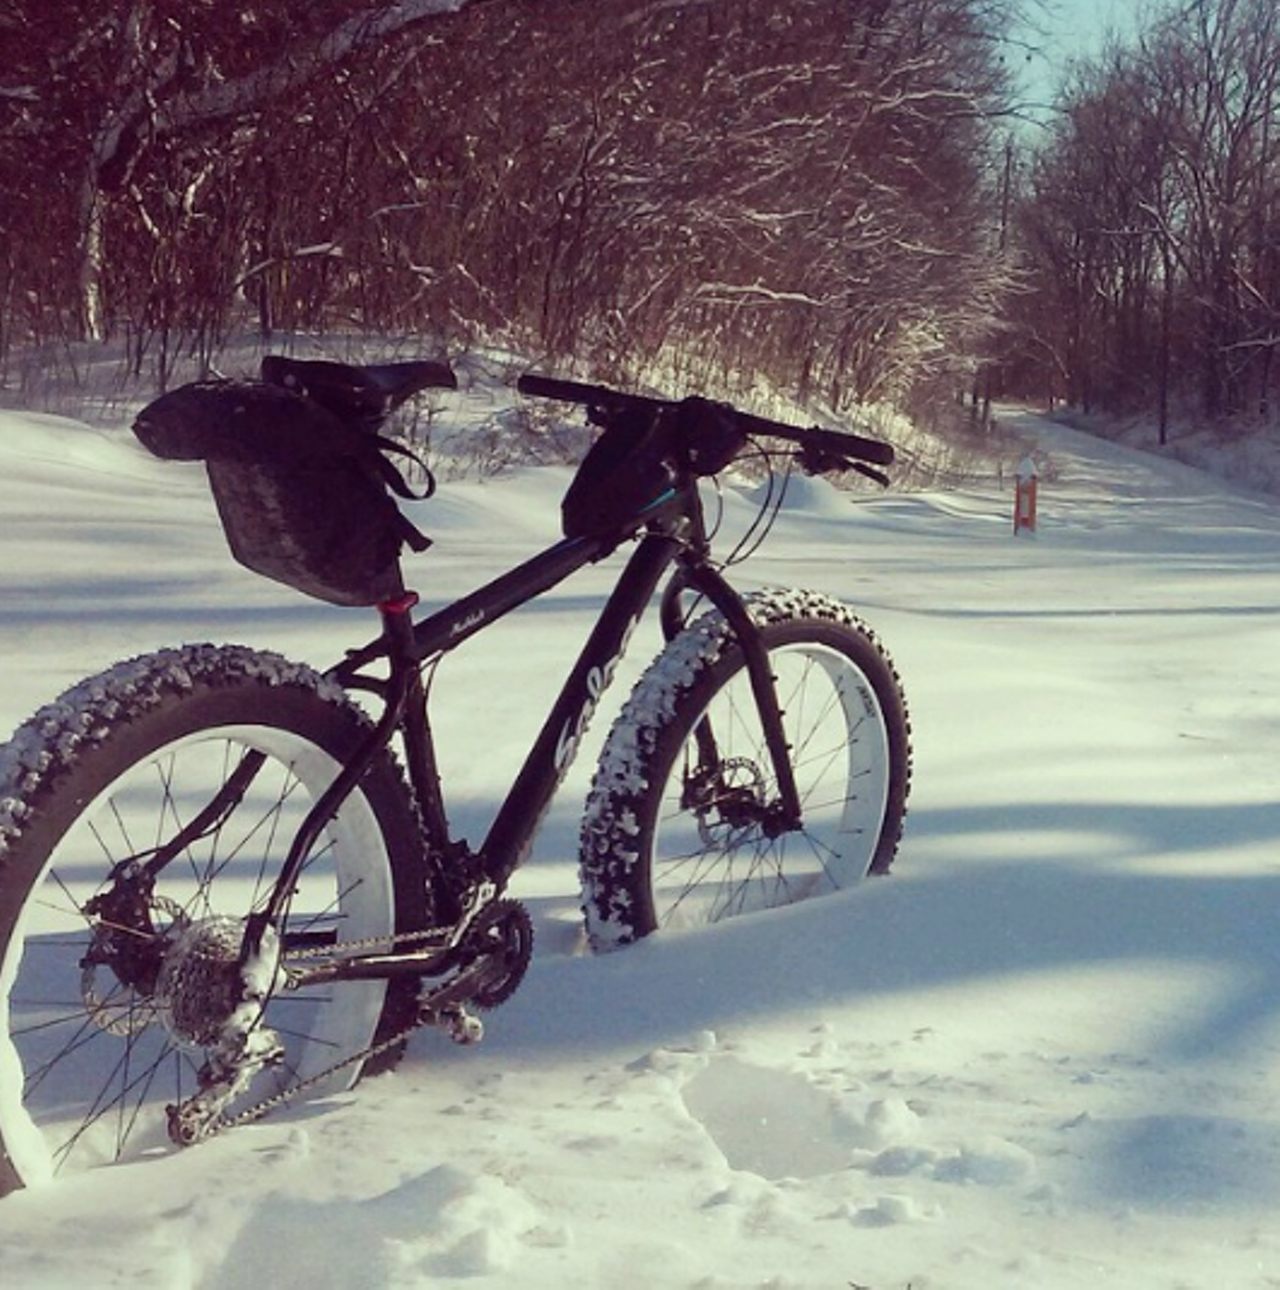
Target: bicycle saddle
(364, 394)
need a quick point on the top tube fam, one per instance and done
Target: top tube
(456, 622)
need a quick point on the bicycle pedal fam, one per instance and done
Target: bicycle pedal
(466, 1029)
(461, 1026)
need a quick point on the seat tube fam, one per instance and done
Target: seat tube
(352, 771)
(415, 725)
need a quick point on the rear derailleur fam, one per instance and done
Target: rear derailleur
(149, 962)
(237, 1044)
(208, 983)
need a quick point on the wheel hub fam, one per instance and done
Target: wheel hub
(729, 798)
(119, 970)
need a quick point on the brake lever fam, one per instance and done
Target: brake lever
(813, 461)
(876, 476)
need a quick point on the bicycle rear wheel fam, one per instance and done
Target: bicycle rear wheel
(681, 823)
(105, 1018)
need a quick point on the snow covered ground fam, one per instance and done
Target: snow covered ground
(1044, 1054)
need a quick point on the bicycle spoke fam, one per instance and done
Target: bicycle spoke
(717, 856)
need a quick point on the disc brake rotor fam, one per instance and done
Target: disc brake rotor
(731, 800)
(114, 1006)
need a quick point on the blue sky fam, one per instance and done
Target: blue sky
(1072, 28)
(1079, 25)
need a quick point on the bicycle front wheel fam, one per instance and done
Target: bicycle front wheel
(681, 823)
(107, 1010)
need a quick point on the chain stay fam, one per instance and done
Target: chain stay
(489, 980)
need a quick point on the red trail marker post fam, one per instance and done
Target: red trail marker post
(1024, 498)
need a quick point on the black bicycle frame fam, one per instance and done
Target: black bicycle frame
(675, 536)
(553, 750)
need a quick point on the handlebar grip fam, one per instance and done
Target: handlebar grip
(836, 443)
(598, 396)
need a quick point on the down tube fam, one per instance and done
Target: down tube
(553, 751)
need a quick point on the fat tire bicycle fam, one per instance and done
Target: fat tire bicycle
(228, 880)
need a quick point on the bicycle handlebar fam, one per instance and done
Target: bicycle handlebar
(815, 439)
(553, 387)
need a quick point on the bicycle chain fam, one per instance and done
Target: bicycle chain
(253, 1113)
(266, 1105)
(359, 947)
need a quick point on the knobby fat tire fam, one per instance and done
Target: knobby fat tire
(621, 827)
(70, 753)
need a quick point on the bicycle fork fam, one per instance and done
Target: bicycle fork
(784, 816)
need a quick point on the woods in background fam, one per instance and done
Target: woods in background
(805, 191)
(1150, 228)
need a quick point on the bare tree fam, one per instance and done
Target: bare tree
(799, 190)
(1152, 225)
(108, 86)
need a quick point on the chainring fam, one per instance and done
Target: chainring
(502, 934)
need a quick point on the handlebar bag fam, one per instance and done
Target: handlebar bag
(625, 473)
(304, 498)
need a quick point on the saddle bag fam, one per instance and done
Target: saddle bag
(304, 497)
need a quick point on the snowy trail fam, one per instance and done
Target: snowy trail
(1042, 1055)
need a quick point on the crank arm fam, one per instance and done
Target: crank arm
(457, 991)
